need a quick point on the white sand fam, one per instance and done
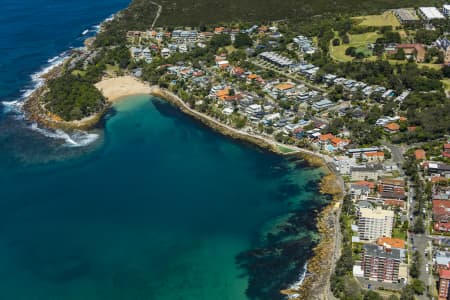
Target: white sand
(119, 87)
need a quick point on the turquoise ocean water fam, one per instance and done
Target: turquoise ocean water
(158, 207)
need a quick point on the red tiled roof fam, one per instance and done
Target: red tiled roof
(374, 154)
(369, 184)
(444, 274)
(394, 202)
(326, 137)
(392, 126)
(393, 242)
(435, 179)
(441, 207)
(420, 154)
(445, 227)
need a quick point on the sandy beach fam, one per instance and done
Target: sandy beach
(116, 88)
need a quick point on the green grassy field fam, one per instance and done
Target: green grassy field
(386, 19)
(358, 41)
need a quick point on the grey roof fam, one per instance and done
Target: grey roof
(368, 168)
(442, 258)
(379, 251)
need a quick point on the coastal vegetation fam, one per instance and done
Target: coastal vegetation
(138, 15)
(183, 12)
(71, 98)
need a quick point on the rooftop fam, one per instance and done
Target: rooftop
(392, 242)
(379, 251)
(431, 13)
(377, 213)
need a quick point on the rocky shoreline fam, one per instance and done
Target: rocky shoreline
(321, 265)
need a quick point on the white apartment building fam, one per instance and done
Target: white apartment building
(375, 223)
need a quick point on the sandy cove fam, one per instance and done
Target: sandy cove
(119, 87)
(321, 265)
(326, 253)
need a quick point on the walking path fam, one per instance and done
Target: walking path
(158, 13)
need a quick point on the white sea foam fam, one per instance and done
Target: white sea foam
(37, 79)
(75, 139)
(12, 106)
(296, 285)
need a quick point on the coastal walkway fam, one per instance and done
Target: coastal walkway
(157, 91)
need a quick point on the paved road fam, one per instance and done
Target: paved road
(422, 244)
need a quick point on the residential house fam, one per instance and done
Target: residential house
(413, 50)
(420, 154)
(392, 188)
(440, 168)
(441, 215)
(446, 150)
(392, 127)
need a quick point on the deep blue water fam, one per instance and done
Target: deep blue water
(158, 207)
(34, 31)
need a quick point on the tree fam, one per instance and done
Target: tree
(243, 40)
(345, 39)
(378, 49)
(350, 51)
(220, 40)
(336, 42)
(446, 71)
(371, 295)
(407, 293)
(400, 55)
(418, 286)
(419, 226)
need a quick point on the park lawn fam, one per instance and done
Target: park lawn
(385, 19)
(446, 83)
(358, 41)
(399, 234)
(230, 49)
(284, 150)
(432, 66)
(80, 73)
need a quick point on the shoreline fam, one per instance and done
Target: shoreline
(321, 265)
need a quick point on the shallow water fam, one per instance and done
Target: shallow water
(160, 207)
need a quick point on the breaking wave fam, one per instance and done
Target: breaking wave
(76, 139)
(15, 108)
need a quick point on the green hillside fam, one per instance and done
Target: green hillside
(198, 12)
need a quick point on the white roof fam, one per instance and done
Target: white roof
(431, 13)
